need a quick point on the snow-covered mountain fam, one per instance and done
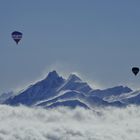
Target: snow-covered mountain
(41, 90)
(54, 91)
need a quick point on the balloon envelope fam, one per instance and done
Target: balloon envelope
(135, 70)
(16, 36)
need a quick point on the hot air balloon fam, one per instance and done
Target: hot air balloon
(135, 70)
(16, 36)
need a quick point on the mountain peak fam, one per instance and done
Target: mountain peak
(73, 77)
(52, 75)
(53, 79)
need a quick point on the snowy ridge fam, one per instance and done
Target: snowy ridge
(54, 91)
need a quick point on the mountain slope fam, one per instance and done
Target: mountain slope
(69, 103)
(111, 93)
(41, 90)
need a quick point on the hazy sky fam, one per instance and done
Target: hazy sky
(100, 39)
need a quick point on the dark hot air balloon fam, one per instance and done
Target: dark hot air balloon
(135, 70)
(16, 36)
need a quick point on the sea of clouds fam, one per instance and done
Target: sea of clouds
(23, 123)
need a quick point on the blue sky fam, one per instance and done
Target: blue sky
(100, 39)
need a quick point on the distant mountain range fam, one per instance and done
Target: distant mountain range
(55, 91)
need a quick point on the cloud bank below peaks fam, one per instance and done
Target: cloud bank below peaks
(23, 123)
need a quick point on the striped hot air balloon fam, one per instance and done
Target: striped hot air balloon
(16, 36)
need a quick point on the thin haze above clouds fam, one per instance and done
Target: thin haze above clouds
(22, 123)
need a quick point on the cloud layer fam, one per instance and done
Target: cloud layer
(22, 123)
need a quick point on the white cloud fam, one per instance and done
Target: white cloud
(22, 123)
